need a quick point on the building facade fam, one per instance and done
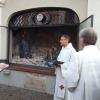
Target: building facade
(36, 81)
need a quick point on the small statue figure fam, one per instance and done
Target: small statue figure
(24, 48)
(52, 56)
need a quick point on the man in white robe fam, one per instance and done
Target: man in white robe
(89, 67)
(68, 69)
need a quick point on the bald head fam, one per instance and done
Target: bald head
(88, 36)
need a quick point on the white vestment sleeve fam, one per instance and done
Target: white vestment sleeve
(70, 71)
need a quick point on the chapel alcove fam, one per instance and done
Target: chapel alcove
(34, 32)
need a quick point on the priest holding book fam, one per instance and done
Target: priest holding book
(67, 71)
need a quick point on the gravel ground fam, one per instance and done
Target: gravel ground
(14, 93)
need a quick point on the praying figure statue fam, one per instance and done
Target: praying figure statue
(24, 48)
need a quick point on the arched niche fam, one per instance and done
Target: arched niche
(34, 32)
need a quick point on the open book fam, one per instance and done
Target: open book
(58, 62)
(3, 66)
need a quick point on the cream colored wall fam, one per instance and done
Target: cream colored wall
(0, 28)
(94, 8)
(11, 6)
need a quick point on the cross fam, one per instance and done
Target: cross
(61, 87)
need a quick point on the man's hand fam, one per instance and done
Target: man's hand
(3, 66)
(58, 65)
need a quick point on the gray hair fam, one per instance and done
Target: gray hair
(89, 36)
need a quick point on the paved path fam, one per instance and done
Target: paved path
(13, 93)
